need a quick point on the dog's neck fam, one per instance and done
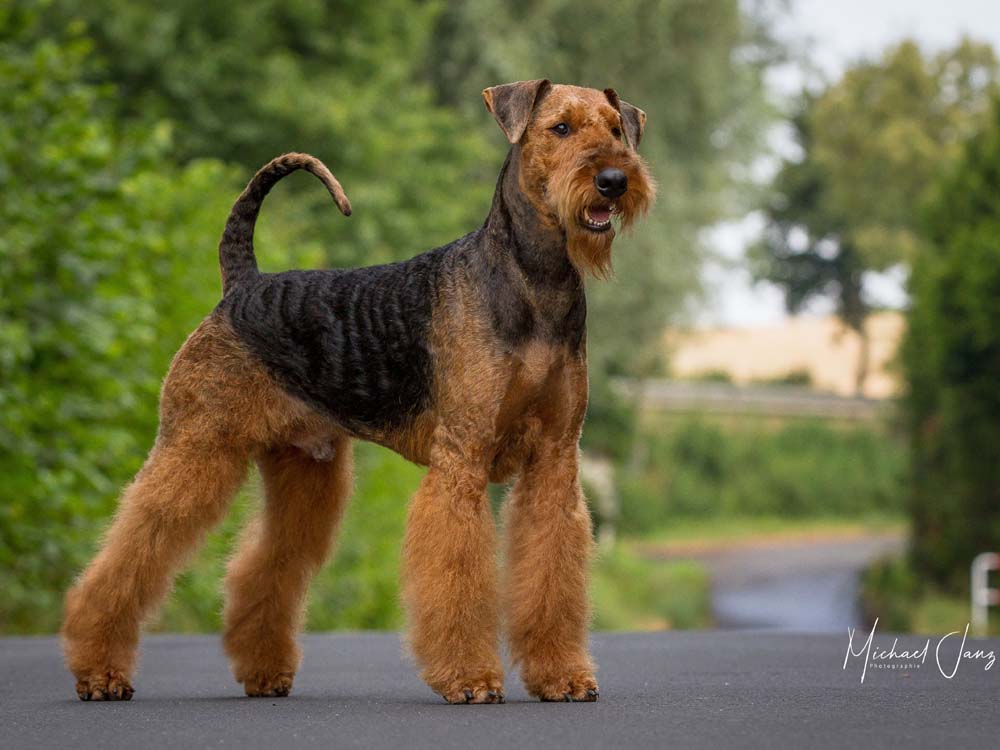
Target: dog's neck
(538, 249)
(533, 289)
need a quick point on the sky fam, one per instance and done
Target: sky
(835, 33)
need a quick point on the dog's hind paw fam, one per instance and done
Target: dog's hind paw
(106, 686)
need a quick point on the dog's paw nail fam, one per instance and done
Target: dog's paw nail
(468, 695)
(84, 696)
(568, 697)
(591, 693)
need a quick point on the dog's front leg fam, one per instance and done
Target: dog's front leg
(548, 534)
(548, 548)
(449, 577)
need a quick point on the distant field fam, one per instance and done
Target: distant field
(819, 346)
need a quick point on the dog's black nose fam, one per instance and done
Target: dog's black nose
(611, 182)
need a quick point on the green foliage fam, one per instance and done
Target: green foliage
(630, 593)
(395, 87)
(94, 297)
(951, 360)
(889, 591)
(611, 421)
(107, 261)
(698, 468)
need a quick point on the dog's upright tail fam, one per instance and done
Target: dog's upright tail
(236, 256)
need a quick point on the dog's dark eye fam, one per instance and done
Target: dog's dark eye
(616, 132)
(562, 129)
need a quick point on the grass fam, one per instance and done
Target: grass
(696, 532)
(936, 612)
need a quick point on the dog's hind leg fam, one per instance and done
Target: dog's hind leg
(183, 489)
(281, 550)
(218, 407)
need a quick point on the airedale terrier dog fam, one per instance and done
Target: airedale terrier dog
(469, 359)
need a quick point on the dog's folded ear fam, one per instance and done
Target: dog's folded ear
(633, 118)
(512, 104)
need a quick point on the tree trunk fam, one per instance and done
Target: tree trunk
(864, 357)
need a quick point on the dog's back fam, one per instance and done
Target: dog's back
(352, 343)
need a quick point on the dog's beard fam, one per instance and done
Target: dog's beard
(573, 192)
(589, 250)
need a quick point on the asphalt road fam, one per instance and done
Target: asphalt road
(658, 690)
(807, 585)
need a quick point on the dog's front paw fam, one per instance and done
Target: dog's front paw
(578, 685)
(268, 685)
(111, 685)
(481, 688)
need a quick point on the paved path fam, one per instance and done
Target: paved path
(803, 583)
(658, 690)
(809, 585)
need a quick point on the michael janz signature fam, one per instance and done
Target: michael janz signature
(947, 659)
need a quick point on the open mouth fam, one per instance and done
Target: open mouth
(597, 218)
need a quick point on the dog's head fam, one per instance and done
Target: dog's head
(580, 167)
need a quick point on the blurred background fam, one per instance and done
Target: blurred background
(795, 373)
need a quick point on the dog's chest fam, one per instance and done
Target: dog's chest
(535, 370)
(535, 364)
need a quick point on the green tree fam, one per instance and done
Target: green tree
(871, 146)
(98, 241)
(244, 82)
(951, 359)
